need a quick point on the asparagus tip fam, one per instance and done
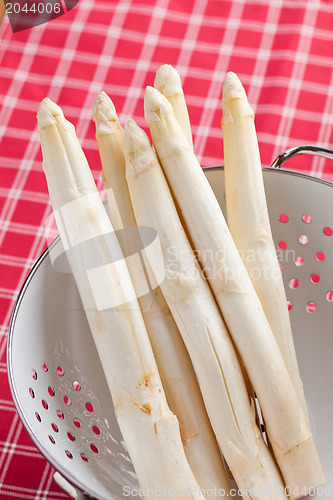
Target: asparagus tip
(134, 136)
(104, 114)
(233, 90)
(232, 87)
(49, 112)
(167, 81)
(132, 128)
(156, 105)
(137, 149)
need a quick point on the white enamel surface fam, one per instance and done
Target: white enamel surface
(49, 326)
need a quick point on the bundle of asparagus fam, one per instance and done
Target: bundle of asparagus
(286, 422)
(205, 309)
(200, 323)
(174, 365)
(150, 430)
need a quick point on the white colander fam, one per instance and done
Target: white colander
(58, 384)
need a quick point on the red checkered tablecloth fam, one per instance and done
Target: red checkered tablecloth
(282, 51)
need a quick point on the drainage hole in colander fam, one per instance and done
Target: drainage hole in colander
(71, 436)
(51, 391)
(290, 305)
(69, 454)
(37, 415)
(31, 392)
(310, 307)
(94, 448)
(299, 261)
(329, 296)
(84, 457)
(76, 385)
(77, 423)
(328, 231)
(60, 415)
(45, 404)
(90, 407)
(67, 400)
(303, 239)
(44, 367)
(282, 245)
(34, 374)
(293, 283)
(307, 218)
(315, 278)
(55, 427)
(283, 218)
(60, 371)
(96, 430)
(51, 438)
(320, 256)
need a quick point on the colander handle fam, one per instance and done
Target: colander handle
(68, 488)
(306, 149)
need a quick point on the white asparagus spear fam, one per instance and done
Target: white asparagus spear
(248, 219)
(174, 364)
(200, 323)
(168, 82)
(286, 422)
(150, 430)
